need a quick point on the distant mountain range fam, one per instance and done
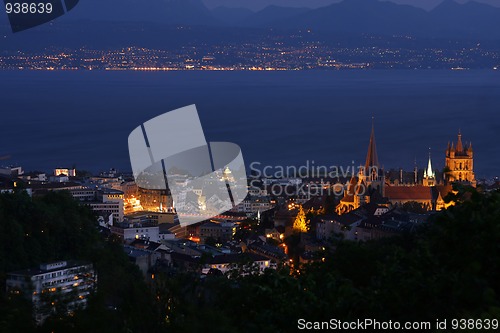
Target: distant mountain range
(448, 20)
(164, 11)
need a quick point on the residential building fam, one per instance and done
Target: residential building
(152, 217)
(244, 263)
(62, 178)
(65, 171)
(335, 225)
(253, 204)
(275, 253)
(52, 285)
(14, 171)
(106, 208)
(131, 231)
(148, 255)
(219, 231)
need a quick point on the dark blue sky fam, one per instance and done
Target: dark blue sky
(259, 4)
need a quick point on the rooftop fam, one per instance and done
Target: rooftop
(50, 267)
(409, 193)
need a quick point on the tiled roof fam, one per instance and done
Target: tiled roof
(236, 258)
(409, 193)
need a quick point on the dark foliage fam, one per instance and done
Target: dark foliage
(447, 269)
(55, 227)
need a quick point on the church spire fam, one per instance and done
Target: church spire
(430, 173)
(371, 156)
(460, 147)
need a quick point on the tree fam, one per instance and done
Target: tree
(57, 227)
(330, 204)
(446, 173)
(301, 224)
(447, 268)
(414, 207)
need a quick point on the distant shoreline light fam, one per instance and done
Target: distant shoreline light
(231, 69)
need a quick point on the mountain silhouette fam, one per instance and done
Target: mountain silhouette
(272, 15)
(231, 16)
(450, 19)
(362, 16)
(468, 20)
(171, 12)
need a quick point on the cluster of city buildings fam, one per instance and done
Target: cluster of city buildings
(296, 51)
(248, 238)
(146, 222)
(64, 285)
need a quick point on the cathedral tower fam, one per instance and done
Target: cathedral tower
(372, 174)
(370, 179)
(460, 163)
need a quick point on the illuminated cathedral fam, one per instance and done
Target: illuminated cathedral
(370, 185)
(459, 165)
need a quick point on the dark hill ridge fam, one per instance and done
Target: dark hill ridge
(471, 19)
(271, 15)
(450, 19)
(231, 16)
(362, 16)
(159, 11)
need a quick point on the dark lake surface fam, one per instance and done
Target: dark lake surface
(82, 118)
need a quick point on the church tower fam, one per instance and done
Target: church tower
(460, 163)
(372, 174)
(370, 179)
(429, 174)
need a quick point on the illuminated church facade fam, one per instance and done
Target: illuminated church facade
(459, 165)
(370, 184)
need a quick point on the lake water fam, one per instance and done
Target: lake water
(51, 119)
